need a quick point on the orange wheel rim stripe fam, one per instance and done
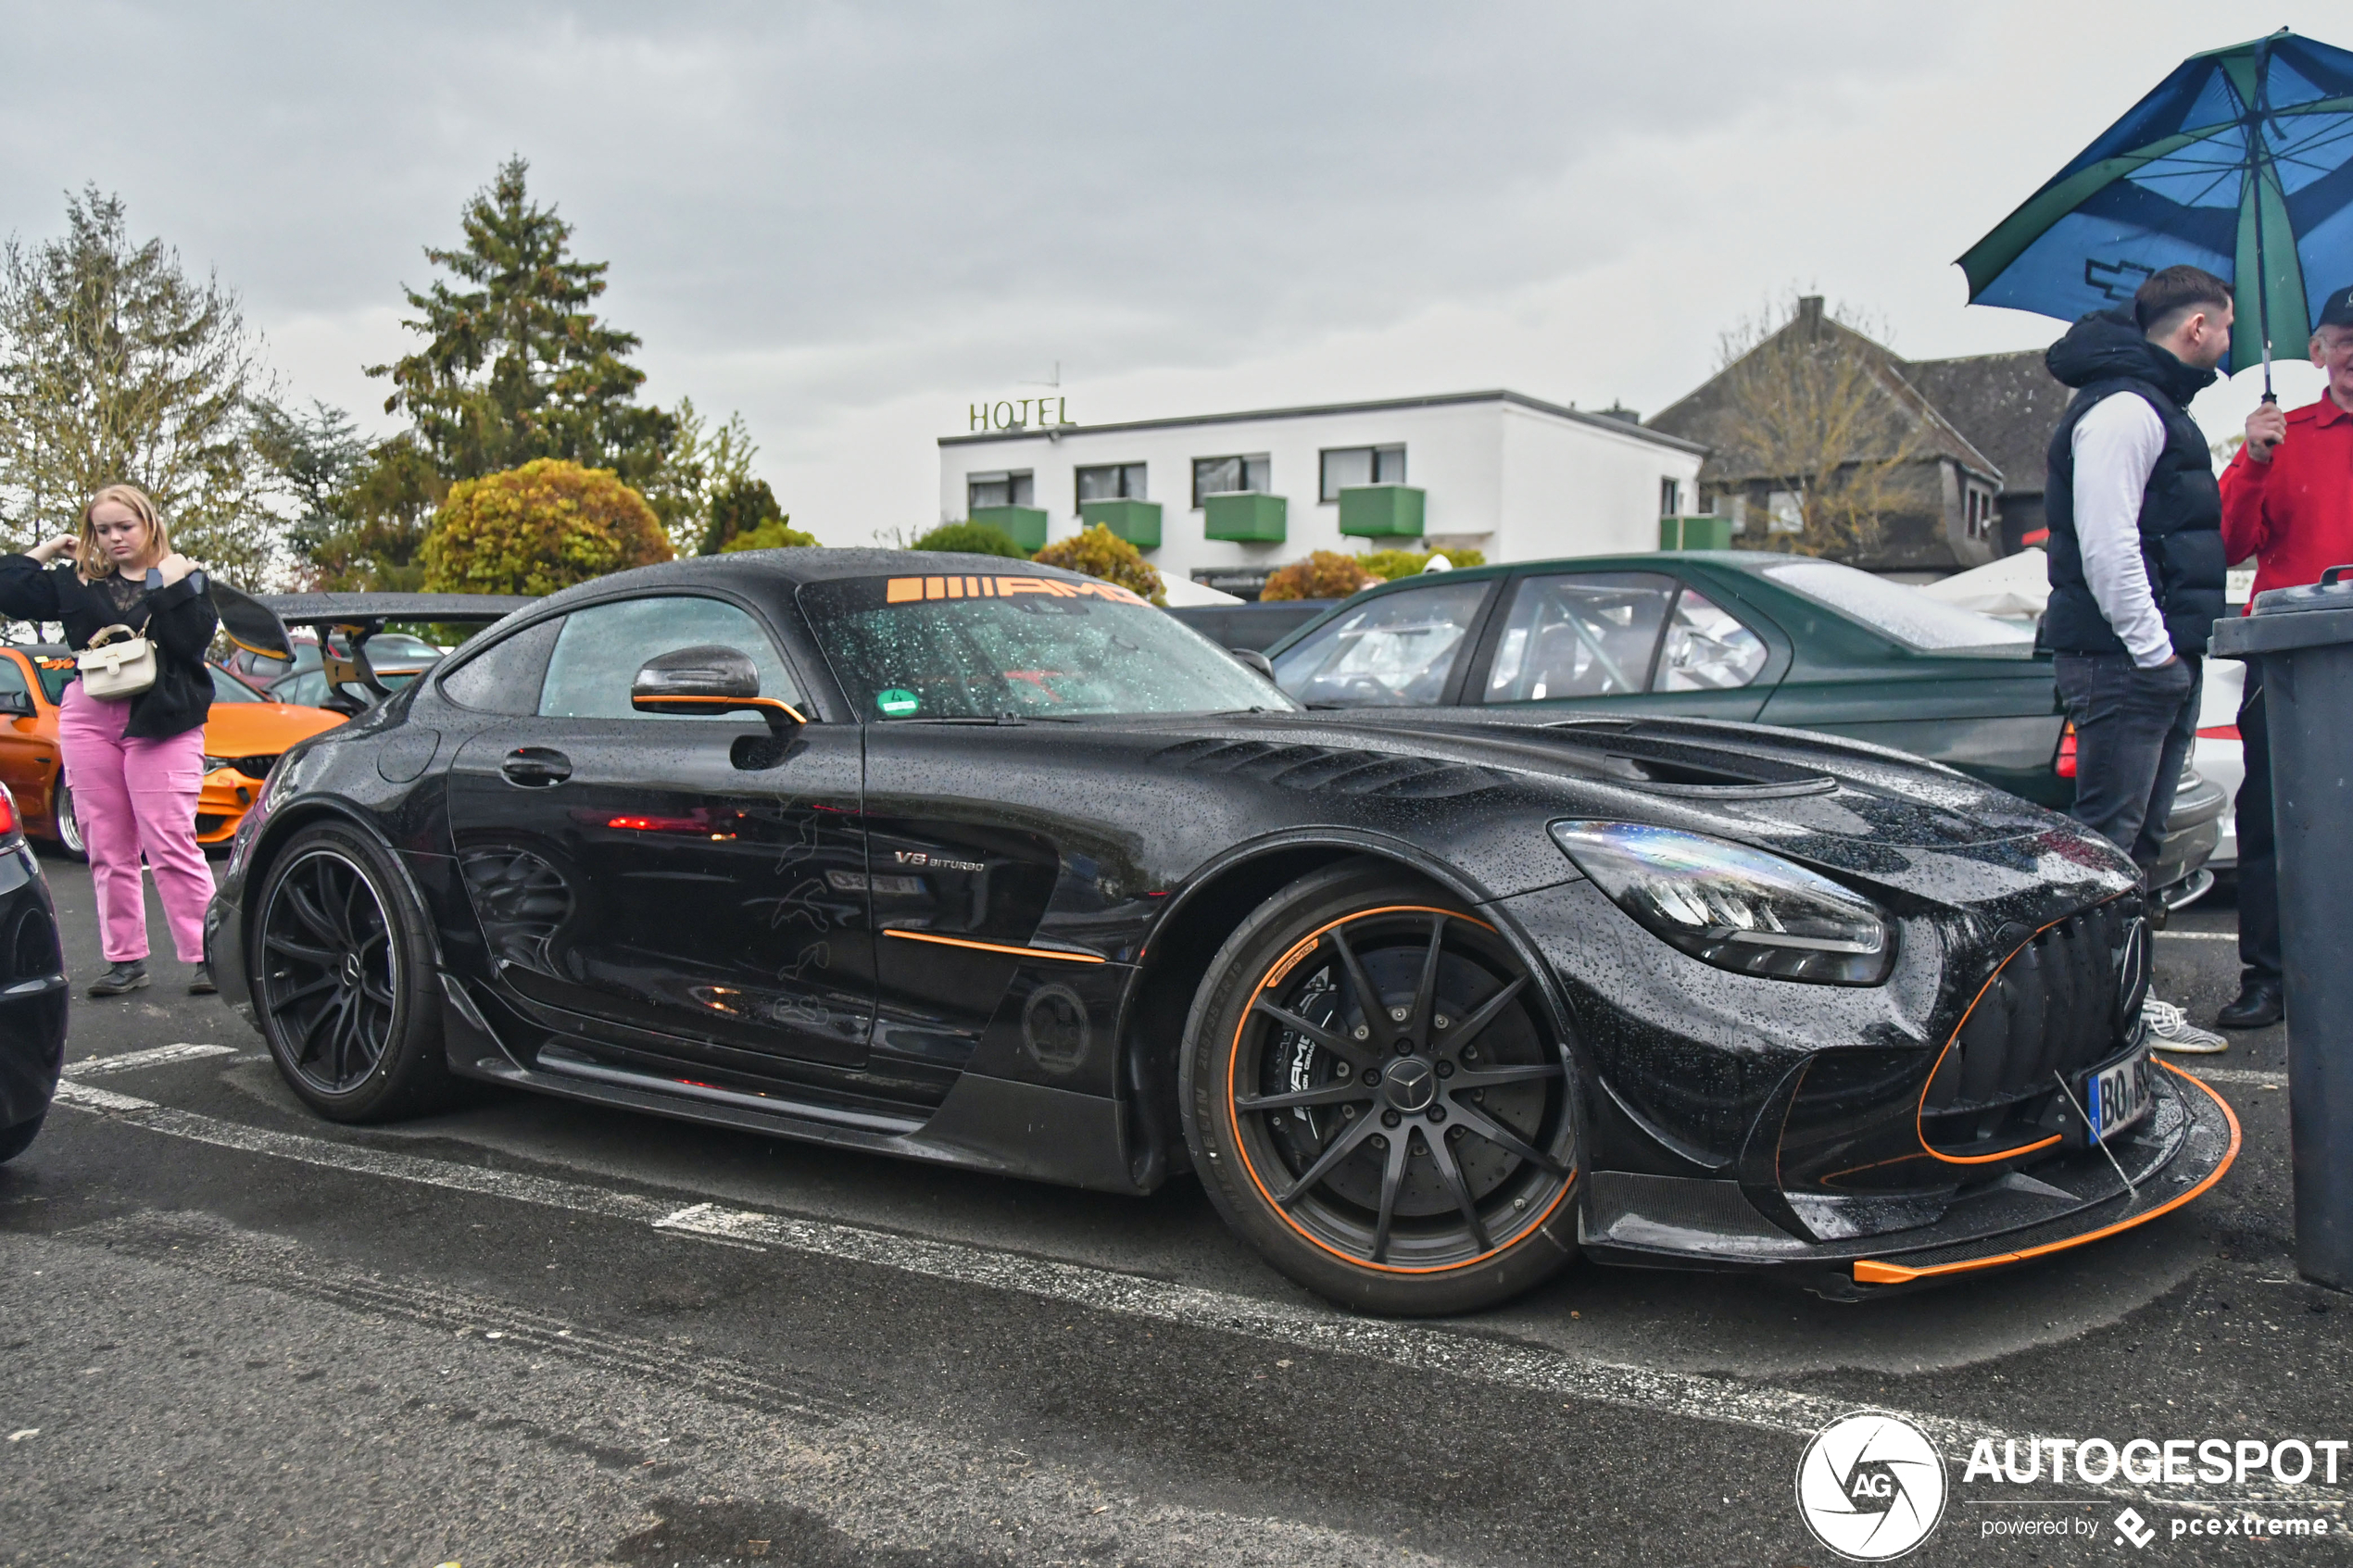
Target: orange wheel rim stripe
(1283, 967)
(1871, 1272)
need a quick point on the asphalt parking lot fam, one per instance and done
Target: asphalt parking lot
(530, 1333)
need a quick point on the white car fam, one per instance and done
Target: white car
(2218, 755)
(2015, 587)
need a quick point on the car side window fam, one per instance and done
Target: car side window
(1394, 651)
(1588, 634)
(1707, 649)
(504, 677)
(600, 649)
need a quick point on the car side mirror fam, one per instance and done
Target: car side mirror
(710, 679)
(1255, 659)
(16, 705)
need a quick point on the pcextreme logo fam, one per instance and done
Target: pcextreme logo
(1871, 1486)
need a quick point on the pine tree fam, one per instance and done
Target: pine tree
(116, 365)
(517, 366)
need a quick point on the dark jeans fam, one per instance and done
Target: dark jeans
(2258, 863)
(2134, 730)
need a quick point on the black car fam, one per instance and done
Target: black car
(914, 854)
(32, 990)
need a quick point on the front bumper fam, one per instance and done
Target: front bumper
(221, 803)
(2065, 1201)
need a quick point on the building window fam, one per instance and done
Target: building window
(999, 490)
(1670, 497)
(1221, 476)
(1344, 466)
(1111, 481)
(1979, 514)
(1784, 512)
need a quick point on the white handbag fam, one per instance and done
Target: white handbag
(117, 664)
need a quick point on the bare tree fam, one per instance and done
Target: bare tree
(1816, 410)
(115, 365)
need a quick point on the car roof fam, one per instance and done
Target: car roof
(314, 609)
(793, 568)
(41, 650)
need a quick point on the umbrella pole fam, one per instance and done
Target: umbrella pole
(2258, 164)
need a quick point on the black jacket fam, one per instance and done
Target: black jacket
(2180, 519)
(181, 621)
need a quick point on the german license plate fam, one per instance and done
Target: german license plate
(2115, 1098)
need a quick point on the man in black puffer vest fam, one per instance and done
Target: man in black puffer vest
(2136, 560)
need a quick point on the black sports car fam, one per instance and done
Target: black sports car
(915, 853)
(32, 990)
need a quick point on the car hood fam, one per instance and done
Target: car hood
(1782, 780)
(261, 729)
(1865, 813)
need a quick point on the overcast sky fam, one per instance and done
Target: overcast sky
(851, 221)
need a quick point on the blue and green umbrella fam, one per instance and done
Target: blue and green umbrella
(2240, 162)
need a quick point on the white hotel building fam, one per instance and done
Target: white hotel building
(1224, 498)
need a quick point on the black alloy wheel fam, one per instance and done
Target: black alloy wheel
(1378, 1099)
(342, 979)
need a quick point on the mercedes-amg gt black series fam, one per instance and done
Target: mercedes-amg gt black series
(1003, 868)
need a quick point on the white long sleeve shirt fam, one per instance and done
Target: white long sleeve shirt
(2116, 448)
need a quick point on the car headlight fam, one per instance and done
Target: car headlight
(1736, 908)
(214, 764)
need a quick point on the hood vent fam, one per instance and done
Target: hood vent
(1695, 770)
(1338, 770)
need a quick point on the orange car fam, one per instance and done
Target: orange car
(244, 735)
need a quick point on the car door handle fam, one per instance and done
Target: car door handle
(535, 767)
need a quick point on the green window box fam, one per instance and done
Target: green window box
(1244, 515)
(1382, 512)
(1024, 525)
(1696, 533)
(1135, 522)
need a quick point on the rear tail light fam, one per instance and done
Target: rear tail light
(2064, 763)
(8, 813)
(2219, 732)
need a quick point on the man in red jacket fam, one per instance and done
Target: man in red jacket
(2287, 501)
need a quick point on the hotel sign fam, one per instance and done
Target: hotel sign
(1013, 413)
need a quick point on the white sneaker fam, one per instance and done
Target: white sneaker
(2170, 1030)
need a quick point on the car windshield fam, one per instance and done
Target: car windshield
(1038, 648)
(228, 688)
(54, 673)
(1897, 609)
(1394, 650)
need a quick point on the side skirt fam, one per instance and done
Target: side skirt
(992, 1124)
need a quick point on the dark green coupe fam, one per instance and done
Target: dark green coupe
(1745, 635)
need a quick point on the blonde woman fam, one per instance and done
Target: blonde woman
(134, 766)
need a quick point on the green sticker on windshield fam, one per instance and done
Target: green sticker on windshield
(896, 703)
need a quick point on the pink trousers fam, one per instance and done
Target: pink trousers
(134, 796)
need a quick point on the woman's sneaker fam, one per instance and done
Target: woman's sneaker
(122, 977)
(201, 983)
(2170, 1030)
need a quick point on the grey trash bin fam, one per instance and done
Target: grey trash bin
(2303, 639)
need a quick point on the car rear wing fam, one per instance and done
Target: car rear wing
(259, 623)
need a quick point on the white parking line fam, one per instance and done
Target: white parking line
(131, 1061)
(2201, 936)
(1413, 1346)
(2240, 1076)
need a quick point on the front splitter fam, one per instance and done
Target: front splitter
(2211, 1145)
(2184, 1151)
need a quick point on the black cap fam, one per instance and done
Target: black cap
(2336, 310)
